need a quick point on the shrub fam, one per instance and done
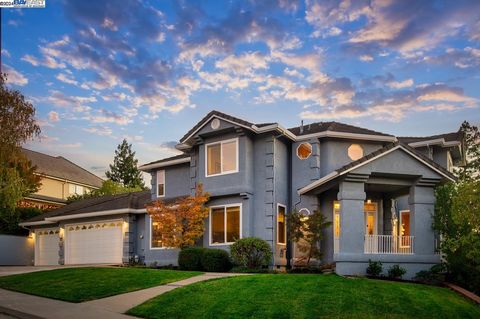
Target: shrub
(190, 258)
(396, 271)
(374, 268)
(215, 260)
(435, 275)
(251, 253)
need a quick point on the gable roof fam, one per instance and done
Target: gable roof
(173, 160)
(334, 127)
(62, 168)
(434, 139)
(374, 155)
(217, 114)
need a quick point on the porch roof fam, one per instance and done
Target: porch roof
(374, 156)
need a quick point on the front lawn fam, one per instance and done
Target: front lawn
(82, 284)
(306, 296)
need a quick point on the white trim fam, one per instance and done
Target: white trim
(353, 136)
(400, 225)
(221, 157)
(99, 213)
(148, 167)
(285, 224)
(224, 223)
(150, 237)
(334, 174)
(40, 222)
(164, 184)
(210, 118)
(438, 141)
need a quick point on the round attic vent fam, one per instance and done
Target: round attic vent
(215, 124)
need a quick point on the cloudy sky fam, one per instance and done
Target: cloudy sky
(100, 71)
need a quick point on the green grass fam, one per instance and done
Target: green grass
(306, 296)
(82, 284)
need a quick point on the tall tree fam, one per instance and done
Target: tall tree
(18, 125)
(124, 169)
(471, 136)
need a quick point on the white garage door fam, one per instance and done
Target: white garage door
(94, 243)
(46, 246)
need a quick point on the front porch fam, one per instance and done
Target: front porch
(381, 210)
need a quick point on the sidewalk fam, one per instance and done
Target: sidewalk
(121, 303)
(35, 307)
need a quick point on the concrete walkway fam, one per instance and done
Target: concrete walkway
(20, 305)
(121, 303)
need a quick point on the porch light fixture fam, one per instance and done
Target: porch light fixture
(369, 201)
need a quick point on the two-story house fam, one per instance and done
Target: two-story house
(377, 189)
(60, 179)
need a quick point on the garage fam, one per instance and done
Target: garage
(98, 242)
(46, 247)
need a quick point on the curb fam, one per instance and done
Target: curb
(18, 314)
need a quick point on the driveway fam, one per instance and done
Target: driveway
(14, 270)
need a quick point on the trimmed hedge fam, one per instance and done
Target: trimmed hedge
(251, 253)
(190, 258)
(204, 259)
(216, 260)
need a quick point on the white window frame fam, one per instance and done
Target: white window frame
(224, 223)
(164, 184)
(311, 150)
(285, 222)
(400, 213)
(150, 237)
(221, 157)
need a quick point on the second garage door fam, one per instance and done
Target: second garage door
(46, 247)
(94, 243)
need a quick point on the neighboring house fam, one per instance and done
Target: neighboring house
(60, 178)
(377, 189)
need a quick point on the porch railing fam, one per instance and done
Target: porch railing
(388, 244)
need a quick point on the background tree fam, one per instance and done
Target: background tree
(471, 136)
(108, 188)
(307, 233)
(17, 178)
(180, 223)
(124, 169)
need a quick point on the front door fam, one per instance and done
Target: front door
(370, 218)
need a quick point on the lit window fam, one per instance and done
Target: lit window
(222, 157)
(405, 228)
(160, 183)
(156, 236)
(224, 224)
(355, 152)
(76, 189)
(281, 225)
(336, 212)
(304, 151)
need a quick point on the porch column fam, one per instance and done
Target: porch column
(351, 196)
(421, 201)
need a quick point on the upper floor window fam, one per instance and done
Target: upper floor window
(76, 189)
(222, 157)
(161, 183)
(304, 150)
(355, 152)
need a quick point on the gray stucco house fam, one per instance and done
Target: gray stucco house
(377, 189)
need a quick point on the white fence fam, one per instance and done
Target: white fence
(388, 244)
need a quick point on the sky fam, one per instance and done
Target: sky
(147, 71)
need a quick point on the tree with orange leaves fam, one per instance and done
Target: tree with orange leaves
(180, 223)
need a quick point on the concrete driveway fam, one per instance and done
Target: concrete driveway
(14, 270)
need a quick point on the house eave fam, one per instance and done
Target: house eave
(148, 167)
(96, 214)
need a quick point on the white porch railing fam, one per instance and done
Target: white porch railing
(388, 244)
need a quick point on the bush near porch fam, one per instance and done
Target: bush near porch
(306, 296)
